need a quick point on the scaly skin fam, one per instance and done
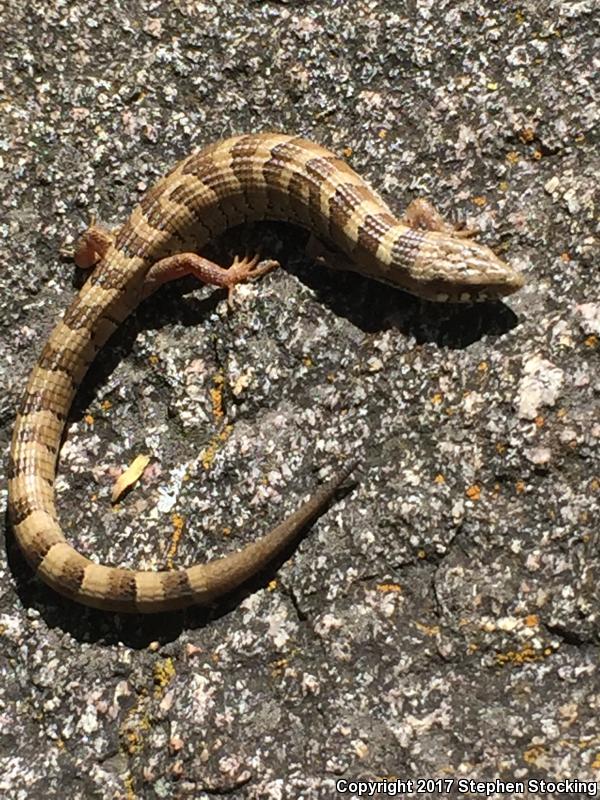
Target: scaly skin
(253, 177)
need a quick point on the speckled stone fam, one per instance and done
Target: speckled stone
(442, 620)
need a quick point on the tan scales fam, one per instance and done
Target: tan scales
(243, 179)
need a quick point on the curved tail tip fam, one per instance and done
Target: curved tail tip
(346, 470)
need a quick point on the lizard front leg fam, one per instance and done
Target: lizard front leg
(423, 215)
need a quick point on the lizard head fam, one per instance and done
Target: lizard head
(454, 269)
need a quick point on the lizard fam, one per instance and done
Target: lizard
(246, 178)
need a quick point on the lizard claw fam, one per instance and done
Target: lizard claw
(247, 269)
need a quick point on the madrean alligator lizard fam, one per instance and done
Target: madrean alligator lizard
(246, 178)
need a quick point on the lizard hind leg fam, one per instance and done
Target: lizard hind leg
(181, 264)
(92, 245)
